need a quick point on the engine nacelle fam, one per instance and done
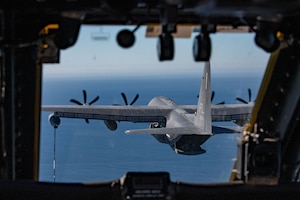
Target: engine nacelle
(54, 120)
(111, 124)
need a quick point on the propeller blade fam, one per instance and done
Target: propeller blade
(94, 100)
(124, 98)
(212, 96)
(249, 94)
(84, 100)
(84, 96)
(76, 102)
(134, 100)
(241, 100)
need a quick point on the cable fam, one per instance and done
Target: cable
(54, 159)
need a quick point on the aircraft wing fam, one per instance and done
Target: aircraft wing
(238, 113)
(117, 113)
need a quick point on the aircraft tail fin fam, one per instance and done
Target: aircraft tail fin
(203, 113)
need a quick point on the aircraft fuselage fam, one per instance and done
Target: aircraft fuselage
(182, 144)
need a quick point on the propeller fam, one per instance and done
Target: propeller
(243, 100)
(112, 124)
(84, 101)
(132, 102)
(212, 98)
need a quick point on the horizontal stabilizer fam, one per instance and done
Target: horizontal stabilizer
(175, 130)
(226, 129)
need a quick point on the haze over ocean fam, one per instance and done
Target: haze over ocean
(90, 152)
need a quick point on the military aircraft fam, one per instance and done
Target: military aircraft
(184, 127)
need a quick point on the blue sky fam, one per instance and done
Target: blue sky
(231, 53)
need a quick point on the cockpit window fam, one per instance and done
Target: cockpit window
(89, 149)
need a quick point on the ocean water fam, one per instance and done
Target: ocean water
(92, 153)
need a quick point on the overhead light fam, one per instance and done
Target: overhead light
(267, 40)
(67, 33)
(202, 47)
(266, 34)
(165, 47)
(125, 38)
